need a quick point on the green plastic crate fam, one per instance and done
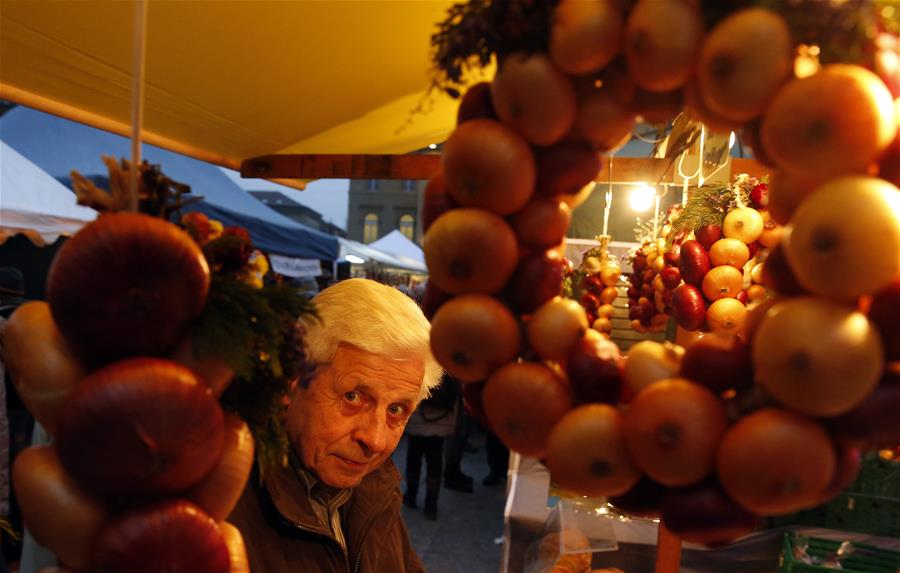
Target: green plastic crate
(864, 558)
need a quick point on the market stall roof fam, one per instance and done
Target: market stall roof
(227, 81)
(396, 243)
(34, 203)
(58, 146)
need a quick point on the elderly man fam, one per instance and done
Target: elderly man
(336, 506)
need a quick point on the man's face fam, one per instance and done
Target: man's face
(352, 415)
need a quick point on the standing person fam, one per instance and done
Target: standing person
(335, 507)
(454, 478)
(16, 422)
(497, 459)
(433, 421)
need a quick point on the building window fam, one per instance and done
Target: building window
(370, 227)
(409, 185)
(407, 226)
(373, 185)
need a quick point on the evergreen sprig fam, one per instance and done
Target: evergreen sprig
(255, 332)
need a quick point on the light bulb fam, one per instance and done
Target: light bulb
(641, 198)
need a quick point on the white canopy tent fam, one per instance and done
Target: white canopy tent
(34, 203)
(396, 243)
(355, 252)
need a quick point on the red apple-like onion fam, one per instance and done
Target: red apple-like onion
(759, 196)
(127, 285)
(671, 277)
(694, 262)
(689, 307)
(143, 426)
(537, 278)
(595, 370)
(565, 168)
(642, 500)
(705, 514)
(435, 201)
(884, 312)
(707, 235)
(719, 362)
(172, 536)
(777, 273)
(476, 104)
(875, 423)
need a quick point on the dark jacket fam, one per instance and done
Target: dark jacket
(283, 535)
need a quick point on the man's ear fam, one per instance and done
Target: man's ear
(293, 385)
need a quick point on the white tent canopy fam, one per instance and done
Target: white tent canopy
(34, 203)
(396, 243)
(368, 254)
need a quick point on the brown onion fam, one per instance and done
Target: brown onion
(41, 364)
(172, 536)
(127, 285)
(143, 426)
(59, 515)
(237, 551)
(219, 491)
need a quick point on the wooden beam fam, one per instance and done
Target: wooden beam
(342, 166)
(624, 170)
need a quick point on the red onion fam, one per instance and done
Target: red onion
(127, 285)
(143, 426)
(173, 536)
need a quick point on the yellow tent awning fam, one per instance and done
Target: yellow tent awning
(229, 80)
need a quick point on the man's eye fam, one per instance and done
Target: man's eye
(397, 410)
(351, 396)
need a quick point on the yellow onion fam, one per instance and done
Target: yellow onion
(726, 315)
(58, 513)
(845, 238)
(722, 282)
(648, 361)
(729, 251)
(218, 492)
(743, 223)
(817, 357)
(41, 365)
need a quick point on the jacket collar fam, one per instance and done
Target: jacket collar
(290, 497)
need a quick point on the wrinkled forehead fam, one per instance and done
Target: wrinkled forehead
(352, 365)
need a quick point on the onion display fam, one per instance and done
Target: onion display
(126, 285)
(173, 536)
(814, 251)
(142, 426)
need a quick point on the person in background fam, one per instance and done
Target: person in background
(335, 506)
(454, 478)
(497, 458)
(433, 421)
(16, 422)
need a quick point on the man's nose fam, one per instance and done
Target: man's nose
(371, 432)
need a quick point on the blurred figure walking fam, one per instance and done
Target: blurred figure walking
(433, 420)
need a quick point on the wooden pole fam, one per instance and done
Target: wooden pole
(668, 551)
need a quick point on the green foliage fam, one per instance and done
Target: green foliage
(255, 332)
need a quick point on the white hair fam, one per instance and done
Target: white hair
(372, 317)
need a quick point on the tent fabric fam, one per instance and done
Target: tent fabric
(58, 146)
(369, 254)
(34, 203)
(235, 80)
(396, 243)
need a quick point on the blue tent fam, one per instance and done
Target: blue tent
(58, 146)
